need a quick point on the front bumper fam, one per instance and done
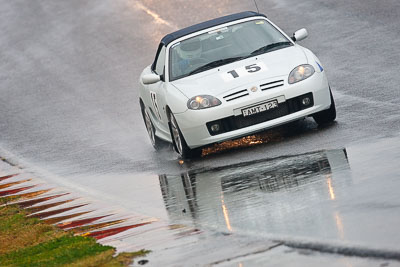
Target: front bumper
(193, 123)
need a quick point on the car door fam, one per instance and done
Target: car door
(157, 94)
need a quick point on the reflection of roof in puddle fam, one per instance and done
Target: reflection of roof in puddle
(278, 174)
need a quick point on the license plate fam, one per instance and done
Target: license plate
(260, 108)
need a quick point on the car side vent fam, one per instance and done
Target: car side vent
(271, 85)
(236, 95)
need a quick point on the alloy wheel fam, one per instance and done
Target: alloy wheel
(176, 135)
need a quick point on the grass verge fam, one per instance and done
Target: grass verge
(27, 241)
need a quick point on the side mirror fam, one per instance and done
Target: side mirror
(151, 78)
(300, 35)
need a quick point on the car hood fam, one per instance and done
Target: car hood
(218, 81)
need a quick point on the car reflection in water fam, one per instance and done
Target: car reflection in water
(292, 195)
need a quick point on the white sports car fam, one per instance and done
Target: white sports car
(227, 78)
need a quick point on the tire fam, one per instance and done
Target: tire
(156, 142)
(328, 115)
(179, 142)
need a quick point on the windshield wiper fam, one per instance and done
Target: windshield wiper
(215, 64)
(270, 47)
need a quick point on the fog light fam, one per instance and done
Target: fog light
(215, 127)
(306, 101)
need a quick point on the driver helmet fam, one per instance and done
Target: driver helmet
(189, 49)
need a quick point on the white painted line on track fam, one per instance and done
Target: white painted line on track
(157, 18)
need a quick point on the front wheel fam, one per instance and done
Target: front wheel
(328, 115)
(179, 142)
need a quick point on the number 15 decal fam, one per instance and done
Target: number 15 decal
(153, 97)
(244, 71)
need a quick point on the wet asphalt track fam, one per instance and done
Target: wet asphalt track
(68, 105)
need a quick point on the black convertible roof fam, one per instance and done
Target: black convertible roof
(207, 24)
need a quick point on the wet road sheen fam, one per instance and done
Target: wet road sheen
(69, 112)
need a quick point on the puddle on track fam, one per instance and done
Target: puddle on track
(267, 196)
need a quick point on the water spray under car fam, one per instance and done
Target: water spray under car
(227, 78)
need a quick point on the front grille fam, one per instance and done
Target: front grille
(236, 95)
(238, 122)
(270, 85)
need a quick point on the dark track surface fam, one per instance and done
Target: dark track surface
(69, 75)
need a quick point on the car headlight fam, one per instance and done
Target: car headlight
(300, 73)
(203, 101)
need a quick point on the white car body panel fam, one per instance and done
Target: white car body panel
(199, 136)
(275, 66)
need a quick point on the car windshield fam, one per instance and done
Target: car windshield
(223, 46)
